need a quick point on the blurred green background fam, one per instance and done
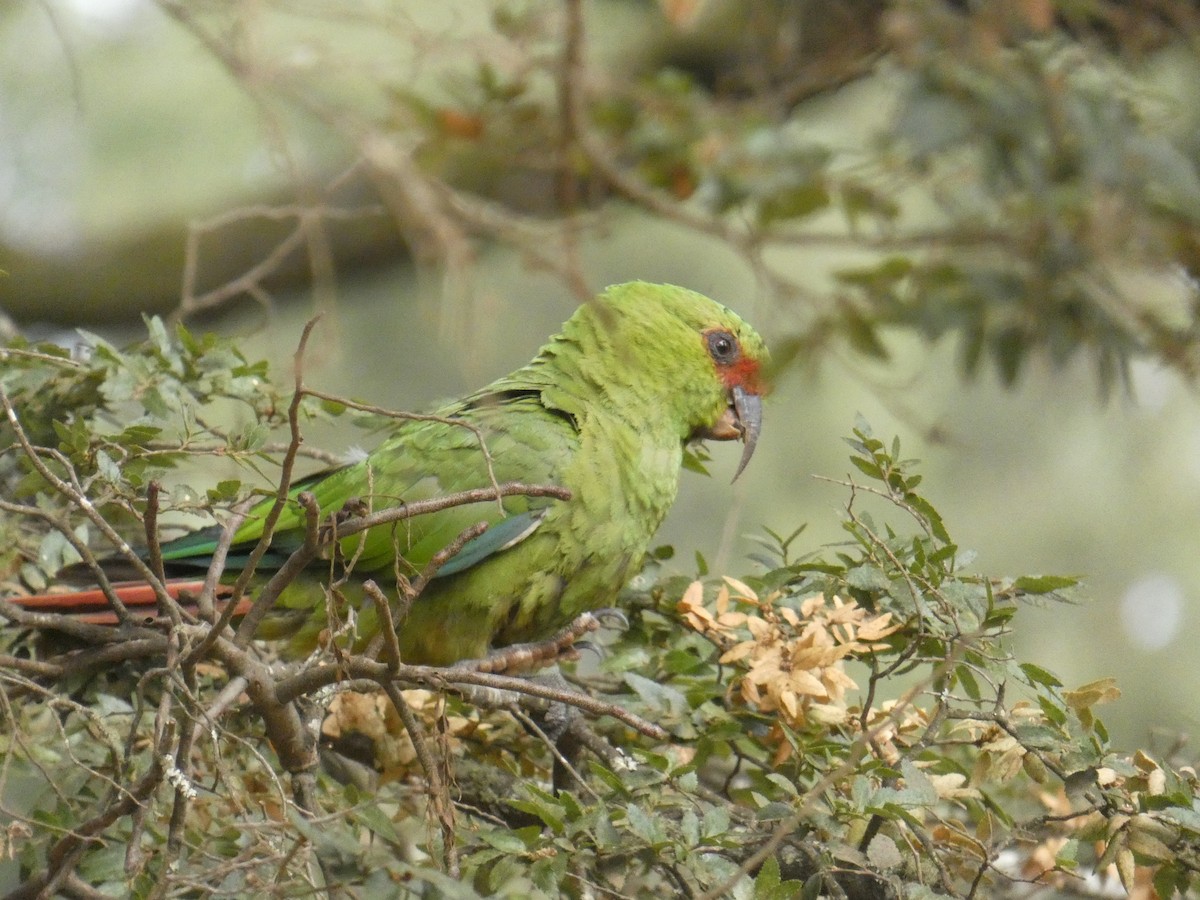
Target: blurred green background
(122, 126)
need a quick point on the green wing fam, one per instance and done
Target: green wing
(423, 460)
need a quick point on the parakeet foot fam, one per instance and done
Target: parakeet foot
(518, 658)
(569, 730)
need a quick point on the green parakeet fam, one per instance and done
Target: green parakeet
(604, 410)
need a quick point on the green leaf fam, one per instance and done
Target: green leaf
(107, 467)
(378, 822)
(570, 806)
(999, 616)
(784, 783)
(548, 873)
(1038, 675)
(1055, 712)
(1183, 816)
(1010, 347)
(917, 785)
(868, 467)
(138, 434)
(543, 805)
(1038, 737)
(74, 438)
(694, 459)
(868, 578)
(507, 875)
(883, 853)
(793, 203)
(249, 438)
(1172, 880)
(55, 553)
(863, 335)
(667, 700)
(606, 835)
(932, 516)
(967, 679)
(1044, 584)
(225, 491)
(774, 811)
(767, 881)
(643, 825)
(689, 828)
(877, 278)
(715, 822)
(859, 199)
(1068, 856)
(503, 840)
(611, 779)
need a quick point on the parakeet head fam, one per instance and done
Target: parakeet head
(691, 360)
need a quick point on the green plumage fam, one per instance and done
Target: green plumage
(604, 410)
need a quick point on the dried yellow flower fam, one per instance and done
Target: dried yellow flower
(793, 659)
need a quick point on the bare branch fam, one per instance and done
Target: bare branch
(454, 678)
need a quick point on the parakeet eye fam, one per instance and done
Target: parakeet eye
(722, 346)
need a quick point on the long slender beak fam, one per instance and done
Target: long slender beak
(748, 408)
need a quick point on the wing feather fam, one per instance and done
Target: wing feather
(422, 460)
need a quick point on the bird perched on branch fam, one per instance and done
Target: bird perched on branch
(603, 411)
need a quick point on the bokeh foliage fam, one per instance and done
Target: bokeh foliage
(1022, 177)
(1019, 177)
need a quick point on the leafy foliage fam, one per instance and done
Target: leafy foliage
(118, 421)
(848, 721)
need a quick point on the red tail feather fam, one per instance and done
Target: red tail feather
(92, 606)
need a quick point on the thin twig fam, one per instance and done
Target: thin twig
(285, 475)
(216, 567)
(6, 352)
(439, 793)
(387, 627)
(436, 504)
(66, 853)
(296, 563)
(154, 557)
(444, 556)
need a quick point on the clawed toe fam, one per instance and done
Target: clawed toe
(611, 617)
(581, 647)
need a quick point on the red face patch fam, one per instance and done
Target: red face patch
(745, 373)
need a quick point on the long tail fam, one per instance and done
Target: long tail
(92, 605)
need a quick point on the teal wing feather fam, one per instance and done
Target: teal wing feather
(501, 536)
